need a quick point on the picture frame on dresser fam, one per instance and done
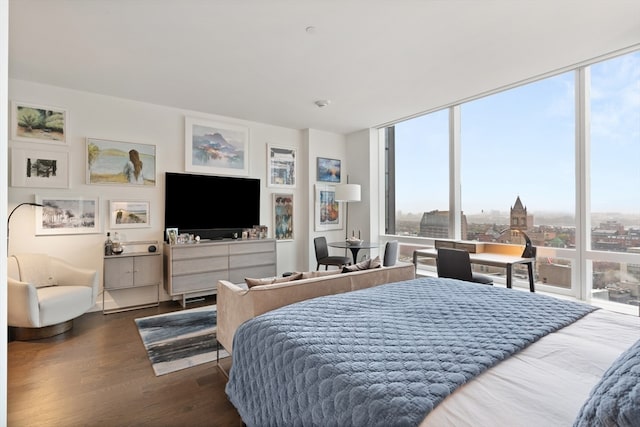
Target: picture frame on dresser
(38, 123)
(39, 168)
(216, 148)
(67, 215)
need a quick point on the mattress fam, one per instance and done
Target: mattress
(546, 383)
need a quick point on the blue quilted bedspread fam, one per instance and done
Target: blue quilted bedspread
(383, 356)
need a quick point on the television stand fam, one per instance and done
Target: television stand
(192, 270)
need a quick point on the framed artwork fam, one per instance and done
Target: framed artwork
(172, 235)
(39, 168)
(67, 215)
(281, 167)
(327, 209)
(38, 123)
(129, 214)
(216, 148)
(121, 163)
(283, 216)
(328, 170)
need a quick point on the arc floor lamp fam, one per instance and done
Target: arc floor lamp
(9, 218)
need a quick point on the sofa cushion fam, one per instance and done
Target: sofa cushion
(271, 280)
(311, 274)
(363, 265)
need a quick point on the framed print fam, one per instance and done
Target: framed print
(129, 214)
(328, 170)
(283, 216)
(122, 163)
(39, 168)
(216, 148)
(172, 235)
(38, 123)
(281, 167)
(328, 215)
(67, 215)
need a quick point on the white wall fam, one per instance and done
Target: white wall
(332, 146)
(98, 116)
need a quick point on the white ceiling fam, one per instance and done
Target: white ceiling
(376, 60)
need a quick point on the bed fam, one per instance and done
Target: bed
(437, 352)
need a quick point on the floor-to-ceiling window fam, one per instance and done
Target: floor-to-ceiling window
(614, 164)
(518, 169)
(558, 158)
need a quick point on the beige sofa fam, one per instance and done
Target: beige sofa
(236, 303)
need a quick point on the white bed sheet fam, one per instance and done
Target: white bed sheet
(546, 383)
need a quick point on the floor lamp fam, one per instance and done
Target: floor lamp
(9, 218)
(347, 193)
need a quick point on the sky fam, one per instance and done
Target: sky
(521, 142)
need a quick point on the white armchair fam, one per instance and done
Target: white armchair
(45, 294)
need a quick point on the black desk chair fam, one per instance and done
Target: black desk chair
(456, 264)
(323, 258)
(390, 253)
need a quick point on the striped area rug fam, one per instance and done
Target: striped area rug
(180, 339)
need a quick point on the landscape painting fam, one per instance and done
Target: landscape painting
(216, 148)
(67, 215)
(38, 123)
(129, 214)
(329, 170)
(122, 163)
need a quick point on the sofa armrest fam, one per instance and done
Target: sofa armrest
(23, 310)
(234, 306)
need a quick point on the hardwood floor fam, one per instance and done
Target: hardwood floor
(98, 374)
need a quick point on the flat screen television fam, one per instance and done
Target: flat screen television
(210, 206)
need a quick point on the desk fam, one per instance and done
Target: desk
(354, 248)
(487, 258)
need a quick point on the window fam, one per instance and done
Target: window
(522, 166)
(518, 166)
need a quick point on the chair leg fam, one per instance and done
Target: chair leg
(318, 267)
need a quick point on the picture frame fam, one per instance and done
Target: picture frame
(38, 123)
(67, 215)
(283, 216)
(328, 215)
(171, 235)
(116, 163)
(129, 214)
(39, 168)
(215, 147)
(281, 166)
(329, 170)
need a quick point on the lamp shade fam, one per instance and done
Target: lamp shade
(348, 193)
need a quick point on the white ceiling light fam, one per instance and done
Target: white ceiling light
(322, 102)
